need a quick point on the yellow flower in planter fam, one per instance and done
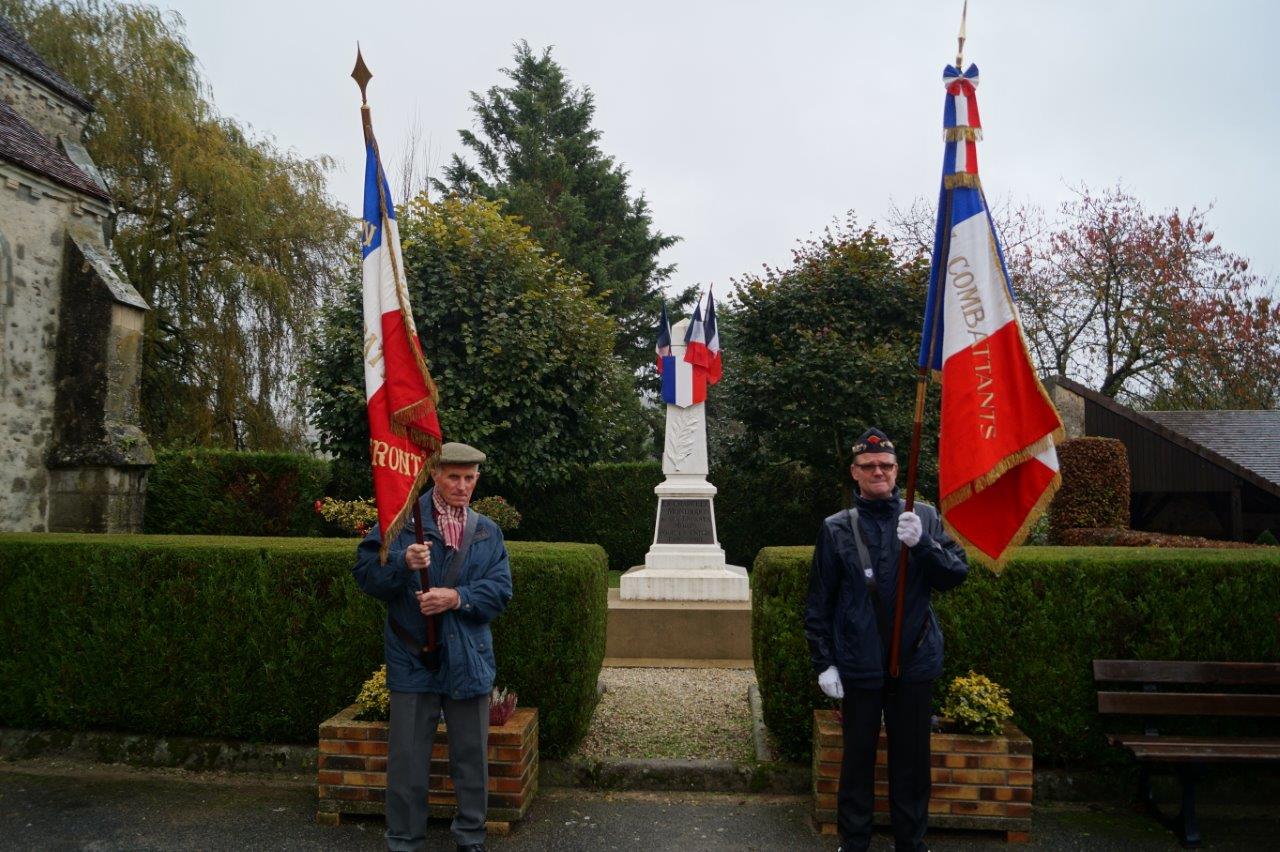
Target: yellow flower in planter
(977, 704)
(374, 699)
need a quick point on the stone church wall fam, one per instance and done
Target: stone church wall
(31, 253)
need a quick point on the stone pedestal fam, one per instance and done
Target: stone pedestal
(685, 561)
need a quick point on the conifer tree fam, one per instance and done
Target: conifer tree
(536, 149)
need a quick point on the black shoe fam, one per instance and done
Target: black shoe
(471, 847)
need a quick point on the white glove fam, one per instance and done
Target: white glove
(829, 682)
(909, 529)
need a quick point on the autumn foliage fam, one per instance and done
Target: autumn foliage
(1095, 487)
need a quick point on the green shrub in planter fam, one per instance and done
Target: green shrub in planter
(977, 705)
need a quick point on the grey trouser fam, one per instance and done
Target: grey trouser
(412, 731)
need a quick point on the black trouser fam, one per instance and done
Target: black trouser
(906, 708)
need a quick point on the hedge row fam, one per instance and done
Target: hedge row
(257, 638)
(613, 505)
(1036, 628)
(224, 492)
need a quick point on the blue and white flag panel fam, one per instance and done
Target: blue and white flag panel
(683, 384)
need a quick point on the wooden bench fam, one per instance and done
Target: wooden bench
(1174, 688)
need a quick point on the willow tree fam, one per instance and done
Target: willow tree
(233, 242)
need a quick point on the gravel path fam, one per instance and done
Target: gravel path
(672, 713)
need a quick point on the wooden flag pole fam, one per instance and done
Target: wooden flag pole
(913, 461)
(913, 458)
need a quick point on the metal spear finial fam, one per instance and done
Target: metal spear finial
(362, 75)
(960, 46)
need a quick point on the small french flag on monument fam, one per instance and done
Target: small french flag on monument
(662, 349)
(702, 341)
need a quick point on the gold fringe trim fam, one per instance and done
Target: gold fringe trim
(398, 522)
(962, 134)
(967, 180)
(1005, 465)
(997, 565)
(413, 412)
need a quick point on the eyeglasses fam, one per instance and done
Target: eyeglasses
(871, 467)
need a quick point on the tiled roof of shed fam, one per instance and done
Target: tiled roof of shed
(15, 51)
(1251, 439)
(22, 144)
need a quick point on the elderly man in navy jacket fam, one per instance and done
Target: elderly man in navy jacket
(470, 584)
(848, 619)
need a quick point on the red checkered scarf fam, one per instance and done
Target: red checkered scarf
(451, 520)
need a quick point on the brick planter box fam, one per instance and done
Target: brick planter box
(978, 782)
(352, 770)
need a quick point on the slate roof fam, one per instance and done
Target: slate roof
(22, 144)
(1251, 439)
(15, 51)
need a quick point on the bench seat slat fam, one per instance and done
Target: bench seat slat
(1188, 704)
(1212, 749)
(1185, 671)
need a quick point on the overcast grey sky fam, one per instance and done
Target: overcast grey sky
(749, 125)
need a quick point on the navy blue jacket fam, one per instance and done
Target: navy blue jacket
(467, 665)
(840, 622)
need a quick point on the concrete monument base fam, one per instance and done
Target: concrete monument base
(678, 634)
(682, 577)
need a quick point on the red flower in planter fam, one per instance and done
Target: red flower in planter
(502, 705)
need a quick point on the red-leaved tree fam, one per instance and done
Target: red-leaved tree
(1146, 305)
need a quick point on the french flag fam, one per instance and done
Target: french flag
(702, 341)
(662, 349)
(715, 367)
(683, 384)
(404, 429)
(695, 339)
(997, 463)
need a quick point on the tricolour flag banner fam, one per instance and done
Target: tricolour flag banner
(695, 339)
(683, 384)
(404, 431)
(997, 466)
(702, 342)
(715, 366)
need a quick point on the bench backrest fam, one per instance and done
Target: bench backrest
(1192, 674)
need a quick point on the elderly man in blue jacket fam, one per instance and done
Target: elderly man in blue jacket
(848, 618)
(470, 584)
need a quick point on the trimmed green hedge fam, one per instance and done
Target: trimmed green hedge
(257, 638)
(1036, 628)
(613, 505)
(225, 492)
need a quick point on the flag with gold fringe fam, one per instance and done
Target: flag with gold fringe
(997, 463)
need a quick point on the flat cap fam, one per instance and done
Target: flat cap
(456, 453)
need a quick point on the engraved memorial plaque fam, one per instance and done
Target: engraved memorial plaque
(685, 521)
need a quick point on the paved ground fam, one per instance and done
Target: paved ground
(59, 805)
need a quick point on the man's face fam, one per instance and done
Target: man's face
(455, 482)
(876, 474)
